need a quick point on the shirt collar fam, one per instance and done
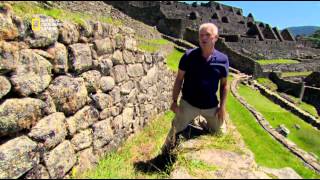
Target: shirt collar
(213, 55)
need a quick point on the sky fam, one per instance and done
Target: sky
(281, 14)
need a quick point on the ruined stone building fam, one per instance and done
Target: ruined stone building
(257, 40)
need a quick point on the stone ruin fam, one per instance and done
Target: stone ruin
(257, 40)
(70, 94)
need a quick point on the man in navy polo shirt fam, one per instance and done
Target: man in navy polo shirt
(200, 71)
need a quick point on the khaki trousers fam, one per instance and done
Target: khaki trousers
(186, 115)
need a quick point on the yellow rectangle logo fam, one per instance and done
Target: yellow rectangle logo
(35, 24)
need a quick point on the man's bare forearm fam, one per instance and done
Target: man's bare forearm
(176, 89)
(223, 94)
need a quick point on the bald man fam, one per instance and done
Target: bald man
(200, 71)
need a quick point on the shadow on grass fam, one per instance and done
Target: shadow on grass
(163, 162)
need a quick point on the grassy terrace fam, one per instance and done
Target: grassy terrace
(292, 74)
(307, 107)
(151, 45)
(277, 61)
(273, 87)
(173, 59)
(28, 9)
(306, 138)
(267, 151)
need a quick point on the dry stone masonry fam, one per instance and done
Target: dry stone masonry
(71, 93)
(243, 36)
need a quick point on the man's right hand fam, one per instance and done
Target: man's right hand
(174, 107)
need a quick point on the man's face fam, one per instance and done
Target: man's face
(207, 38)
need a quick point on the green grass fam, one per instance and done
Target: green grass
(307, 107)
(277, 61)
(143, 146)
(173, 59)
(195, 167)
(292, 74)
(28, 9)
(198, 168)
(306, 138)
(151, 45)
(273, 87)
(268, 83)
(146, 144)
(267, 151)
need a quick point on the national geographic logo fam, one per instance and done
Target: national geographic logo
(36, 26)
(41, 24)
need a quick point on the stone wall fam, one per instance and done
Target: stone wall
(71, 93)
(238, 61)
(276, 98)
(273, 49)
(313, 79)
(311, 94)
(299, 67)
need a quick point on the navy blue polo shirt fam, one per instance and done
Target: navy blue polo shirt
(202, 77)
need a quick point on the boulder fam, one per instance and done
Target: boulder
(69, 94)
(32, 74)
(60, 160)
(19, 114)
(80, 57)
(17, 157)
(50, 130)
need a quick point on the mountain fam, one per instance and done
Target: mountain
(303, 30)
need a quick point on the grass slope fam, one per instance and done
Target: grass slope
(306, 138)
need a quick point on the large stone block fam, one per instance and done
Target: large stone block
(86, 28)
(120, 73)
(130, 43)
(50, 130)
(150, 79)
(107, 83)
(127, 87)
(69, 94)
(104, 46)
(68, 33)
(87, 160)
(9, 55)
(60, 61)
(82, 140)
(18, 114)
(38, 172)
(60, 160)
(98, 32)
(92, 80)
(80, 57)
(102, 100)
(135, 70)
(8, 30)
(129, 57)
(82, 119)
(5, 86)
(102, 134)
(47, 99)
(127, 116)
(117, 57)
(115, 94)
(32, 73)
(103, 64)
(17, 156)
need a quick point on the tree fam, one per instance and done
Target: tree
(316, 34)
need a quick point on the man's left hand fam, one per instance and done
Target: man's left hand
(221, 114)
